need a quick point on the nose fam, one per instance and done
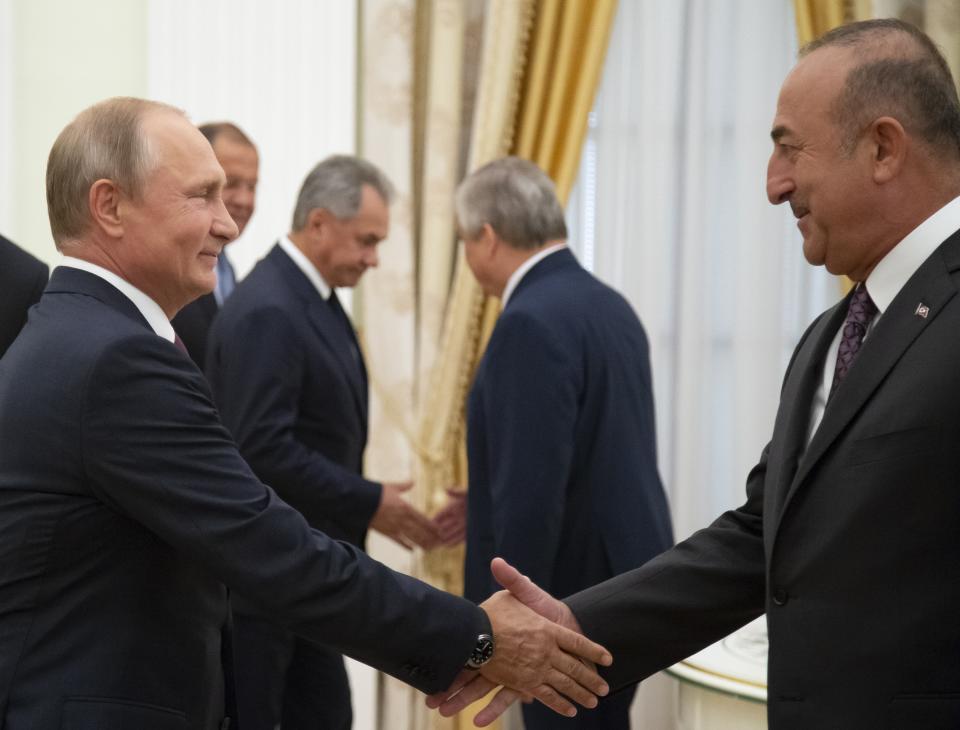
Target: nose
(779, 182)
(371, 259)
(223, 225)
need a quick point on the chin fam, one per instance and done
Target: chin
(815, 256)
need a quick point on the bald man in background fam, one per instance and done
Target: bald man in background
(238, 157)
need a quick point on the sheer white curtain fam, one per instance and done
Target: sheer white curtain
(285, 72)
(671, 210)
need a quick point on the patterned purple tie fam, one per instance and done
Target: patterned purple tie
(861, 311)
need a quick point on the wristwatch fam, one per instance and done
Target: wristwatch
(482, 650)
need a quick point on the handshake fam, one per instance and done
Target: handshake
(540, 654)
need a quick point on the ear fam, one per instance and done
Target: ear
(490, 240)
(889, 145)
(105, 201)
(318, 219)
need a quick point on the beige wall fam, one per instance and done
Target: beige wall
(64, 56)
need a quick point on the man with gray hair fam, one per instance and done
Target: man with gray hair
(563, 477)
(289, 377)
(125, 508)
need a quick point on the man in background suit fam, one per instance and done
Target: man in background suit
(125, 507)
(238, 157)
(561, 443)
(848, 539)
(288, 376)
(22, 279)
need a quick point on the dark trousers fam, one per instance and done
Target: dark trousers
(613, 713)
(286, 682)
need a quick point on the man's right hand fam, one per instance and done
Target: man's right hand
(402, 522)
(535, 658)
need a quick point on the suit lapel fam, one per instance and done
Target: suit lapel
(332, 332)
(793, 420)
(340, 342)
(896, 330)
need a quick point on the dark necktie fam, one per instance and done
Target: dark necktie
(859, 313)
(179, 344)
(341, 315)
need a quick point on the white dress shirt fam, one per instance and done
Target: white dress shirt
(884, 283)
(303, 263)
(150, 310)
(523, 268)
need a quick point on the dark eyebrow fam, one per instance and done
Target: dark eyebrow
(777, 133)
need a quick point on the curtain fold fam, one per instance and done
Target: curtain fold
(441, 435)
(568, 47)
(539, 71)
(816, 17)
(546, 100)
(423, 318)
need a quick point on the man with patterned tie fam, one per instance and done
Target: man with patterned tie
(849, 538)
(289, 378)
(238, 157)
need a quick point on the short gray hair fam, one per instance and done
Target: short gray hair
(900, 73)
(336, 185)
(104, 141)
(516, 198)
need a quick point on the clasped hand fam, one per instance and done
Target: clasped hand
(540, 654)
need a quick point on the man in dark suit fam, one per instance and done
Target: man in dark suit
(125, 507)
(238, 157)
(288, 375)
(563, 478)
(22, 278)
(848, 539)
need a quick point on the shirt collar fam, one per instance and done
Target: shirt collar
(150, 310)
(303, 263)
(892, 271)
(514, 281)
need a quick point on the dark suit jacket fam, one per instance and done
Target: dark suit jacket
(125, 508)
(22, 278)
(562, 455)
(193, 322)
(851, 546)
(288, 388)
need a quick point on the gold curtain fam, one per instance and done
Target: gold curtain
(547, 105)
(429, 110)
(567, 52)
(816, 17)
(539, 73)
(417, 71)
(441, 438)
